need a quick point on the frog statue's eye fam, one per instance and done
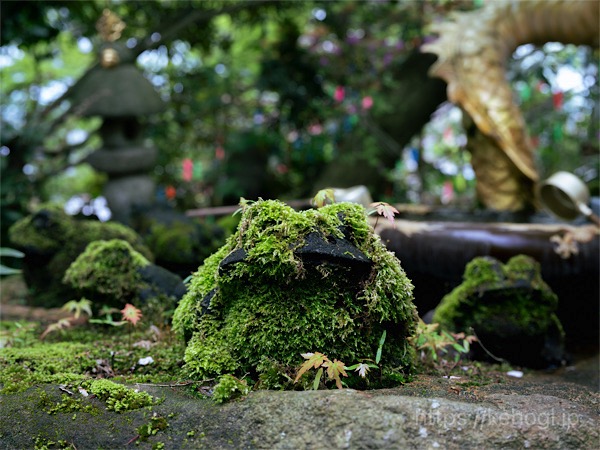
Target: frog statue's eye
(42, 220)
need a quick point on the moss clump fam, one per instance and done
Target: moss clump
(157, 423)
(52, 240)
(228, 388)
(67, 404)
(510, 307)
(117, 397)
(109, 268)
(292, 282)
(41, 363)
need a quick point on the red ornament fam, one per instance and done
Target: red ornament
(170, 192)
(557, 99)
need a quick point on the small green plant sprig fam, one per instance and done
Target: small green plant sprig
(327, 197)
(336, 369)
(323, 197)
(107, 312)
(435, 345)
(76, 308)
(10, 253)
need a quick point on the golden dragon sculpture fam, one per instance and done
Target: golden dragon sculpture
(472, 51)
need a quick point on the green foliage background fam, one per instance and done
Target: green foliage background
(252, 92)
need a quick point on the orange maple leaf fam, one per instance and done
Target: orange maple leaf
(131, 314)
(334, 370)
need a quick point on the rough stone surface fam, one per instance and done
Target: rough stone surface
(540, 410)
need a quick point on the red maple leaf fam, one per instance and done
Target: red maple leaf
(131, 314)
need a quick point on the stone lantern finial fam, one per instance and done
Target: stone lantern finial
(110, 26)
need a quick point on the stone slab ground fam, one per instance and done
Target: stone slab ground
(541, 410)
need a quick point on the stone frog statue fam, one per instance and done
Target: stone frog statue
(289, 282)
(112, 273)
(510, 308)
(52, 240)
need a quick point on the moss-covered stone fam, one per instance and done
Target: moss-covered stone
(179, 243)
(113, 273)
(511, 309)
(292, 282)
(109, 268)
(52, 240)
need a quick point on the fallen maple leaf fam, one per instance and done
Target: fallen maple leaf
(334, 370)
(385, 209)
(131, 314)
(313, 360)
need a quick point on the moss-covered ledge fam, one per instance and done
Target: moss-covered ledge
(292, 282)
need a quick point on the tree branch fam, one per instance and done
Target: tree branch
(189, 17)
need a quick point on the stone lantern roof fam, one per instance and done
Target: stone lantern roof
(115, 87)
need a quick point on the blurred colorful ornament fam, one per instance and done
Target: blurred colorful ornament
(188, 169)
(525, 93)
(315, 129)
(447, 192)
(367, 102)
(557, 99)
(198, 170)
(219, 153)
(460, 183)
(448, 135)
(339, 94)
(170, 192)
(557, 132)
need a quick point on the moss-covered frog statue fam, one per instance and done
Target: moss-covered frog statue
(288, 283)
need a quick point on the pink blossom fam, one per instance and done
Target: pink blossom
(367, 102)
(339, 94)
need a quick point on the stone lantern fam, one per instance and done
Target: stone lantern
(115, 90)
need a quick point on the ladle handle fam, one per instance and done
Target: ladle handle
(587, 212)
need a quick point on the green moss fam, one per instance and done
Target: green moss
(529, 303)
(58, 363)
(68, 404)
(118, 397)
(172, 242)
(157, 423)
(91, 351)
(228, 388)
(109, 268)
(52, 240)
(179, 243)
(42, 443)
(274, 304)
